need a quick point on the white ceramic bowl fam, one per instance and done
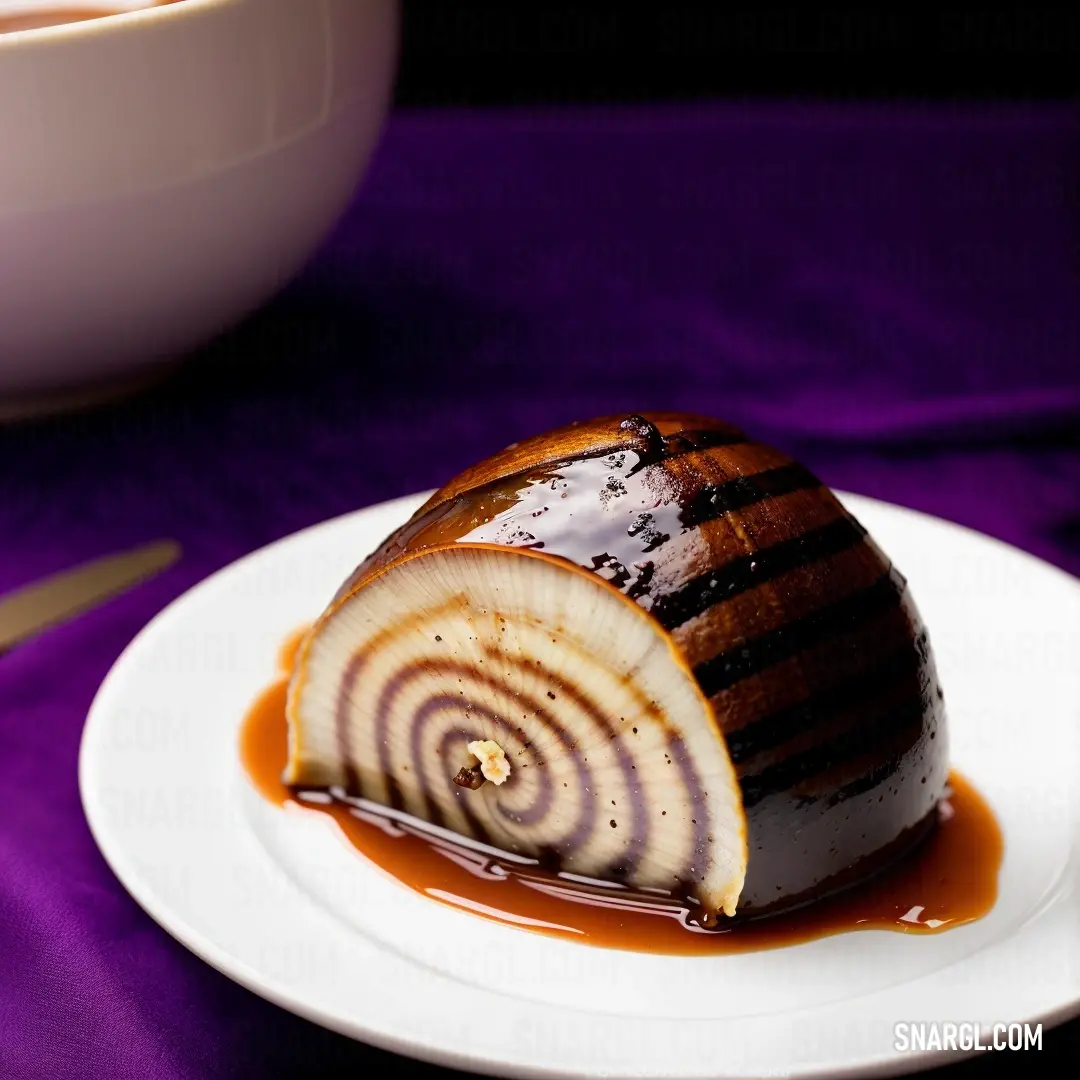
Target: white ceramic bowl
(164, 172)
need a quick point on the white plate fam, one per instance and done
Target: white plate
(276, 901)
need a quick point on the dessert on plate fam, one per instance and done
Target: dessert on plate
(642, 649)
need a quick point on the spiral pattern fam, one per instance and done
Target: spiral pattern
(617, 769)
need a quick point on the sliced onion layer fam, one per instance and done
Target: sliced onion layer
(617, 769)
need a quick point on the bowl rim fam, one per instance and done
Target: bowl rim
(108, 22)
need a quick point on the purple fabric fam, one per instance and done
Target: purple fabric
(890, 294)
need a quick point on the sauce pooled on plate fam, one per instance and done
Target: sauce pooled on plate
(949, 880)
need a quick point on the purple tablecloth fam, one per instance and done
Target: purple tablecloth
(888, 294)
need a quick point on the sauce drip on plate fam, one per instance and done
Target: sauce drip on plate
(950, 880)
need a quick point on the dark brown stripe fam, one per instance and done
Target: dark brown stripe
(686, 442)
(651, 447)
(667, 448)
(714, 500)
(741, 661)
(858, 740)
(775, 729)
(748, 571)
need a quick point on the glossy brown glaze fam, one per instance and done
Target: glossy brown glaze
(947, 880)
(799, 631)
(59, 15)
(590, 438)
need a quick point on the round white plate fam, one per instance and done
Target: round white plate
(276, 901)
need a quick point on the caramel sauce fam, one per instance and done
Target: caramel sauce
(59, 15)
(950, 880)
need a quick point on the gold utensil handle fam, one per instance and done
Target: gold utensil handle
(64, 596)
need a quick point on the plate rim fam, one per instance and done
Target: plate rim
(239, 971)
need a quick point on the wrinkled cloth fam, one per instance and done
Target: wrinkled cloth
(889, 293)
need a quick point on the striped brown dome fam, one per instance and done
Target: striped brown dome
(799, 634)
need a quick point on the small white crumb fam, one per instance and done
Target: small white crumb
(493, 763)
